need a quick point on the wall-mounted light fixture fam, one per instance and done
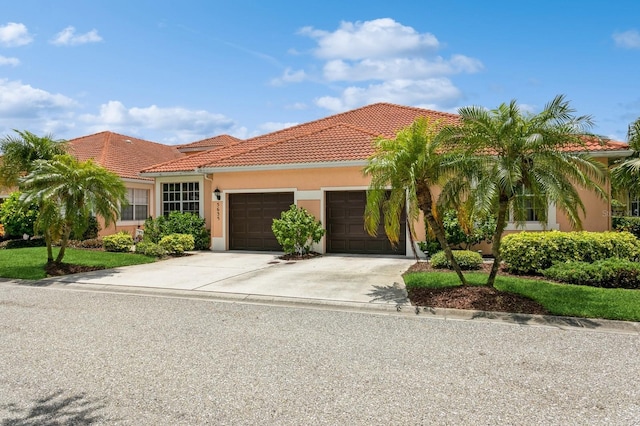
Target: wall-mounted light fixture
(217, 194)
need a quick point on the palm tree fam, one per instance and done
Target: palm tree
(68, 192)
(411, 165)
(19, 153)
(515, 162)
(625, 175)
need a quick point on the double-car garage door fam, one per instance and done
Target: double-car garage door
(251, 216)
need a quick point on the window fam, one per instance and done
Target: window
(182, 197)
(527, 206)
(138, 208)
(634, 206)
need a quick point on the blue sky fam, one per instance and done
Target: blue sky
(176, 72)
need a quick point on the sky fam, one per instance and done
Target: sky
(179, 71)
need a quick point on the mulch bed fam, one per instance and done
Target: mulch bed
(58, 269)
(309, 255)
(479, 298)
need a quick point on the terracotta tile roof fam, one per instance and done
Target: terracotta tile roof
(209, 143)
(382, 119)
(340, 142)
(123, 155)
(341, 137)
(592, 144)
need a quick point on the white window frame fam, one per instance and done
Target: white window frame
(133, 204)
(179, 179)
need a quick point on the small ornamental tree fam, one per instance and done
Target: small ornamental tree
(297, 230)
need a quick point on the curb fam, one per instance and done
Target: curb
(405, 310)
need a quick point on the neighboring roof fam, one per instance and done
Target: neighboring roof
(209, 143)
(123, 155)
(344, 137)
(382, 119)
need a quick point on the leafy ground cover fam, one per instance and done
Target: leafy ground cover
(31, 263)
(530, 295)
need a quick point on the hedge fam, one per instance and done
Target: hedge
(533, 252)
(626, 223)
(467, 260)
(120, 242)
(608, 273)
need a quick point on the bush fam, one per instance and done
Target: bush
(120, 242)
(608, 273)
(20, 243)
(297, 230)
(468, 260)
(177, 243)
(533, 252)
(148, 248)
(626, 223)
(16, 218)
(477, 229)
(91, 243)
(178, 223)
(90, 233)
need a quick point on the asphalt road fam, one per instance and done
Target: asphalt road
(73, 357)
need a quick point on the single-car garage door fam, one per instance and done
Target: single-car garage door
(250, 219)
(345, 226)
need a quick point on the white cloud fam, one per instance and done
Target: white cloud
(9, 61)
(19, 100)
(370, 39)
(14, 34)
(183, 125)
(382, 61)
(433, 92)
(272, 126)
(628, 39)
(68, 37)
(289, 76)
(398, 68)
(299, 106)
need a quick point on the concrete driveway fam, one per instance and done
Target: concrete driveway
(335, 278)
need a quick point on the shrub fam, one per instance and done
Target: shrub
(92, 243)
(20, 243)
(178, 223)
(17, 218)
(626, 223)
(148, 248)
(477, 229)
(90, 233)
(608, 273)
(467, 260)
(533, 252)
(177, 243)
(120, 242)
(297, 230)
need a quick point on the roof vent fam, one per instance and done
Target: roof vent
(128, 141)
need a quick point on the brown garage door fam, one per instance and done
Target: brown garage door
(345, 226)
(250, 219)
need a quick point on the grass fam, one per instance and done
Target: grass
(29, 263)
(559, 299)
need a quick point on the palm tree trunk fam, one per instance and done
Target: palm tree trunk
(48, 242)
(425, 202)
(501, 224)
(413, 244)
(64, 241)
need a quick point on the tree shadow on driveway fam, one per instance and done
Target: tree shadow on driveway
(54, 409)
(395, 293)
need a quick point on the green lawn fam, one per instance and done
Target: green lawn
(559, 299)
(29, 263)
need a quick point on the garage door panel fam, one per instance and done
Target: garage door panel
(250, 219)
(345, 226)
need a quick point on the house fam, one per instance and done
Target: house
(126, 156)
(239, 186)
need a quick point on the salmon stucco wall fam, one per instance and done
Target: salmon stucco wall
(308, 186)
